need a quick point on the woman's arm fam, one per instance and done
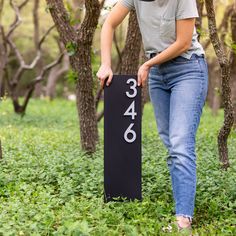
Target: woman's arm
(184, 34)
(115, 17)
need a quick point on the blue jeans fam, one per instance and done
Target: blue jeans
(178, 90)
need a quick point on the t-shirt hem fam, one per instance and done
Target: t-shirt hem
(188, 55)
(186, 17)
(125, 4)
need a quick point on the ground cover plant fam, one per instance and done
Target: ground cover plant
(48, 186)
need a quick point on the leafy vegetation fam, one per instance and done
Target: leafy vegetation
(48, 186)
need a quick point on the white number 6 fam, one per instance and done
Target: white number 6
(130, 131)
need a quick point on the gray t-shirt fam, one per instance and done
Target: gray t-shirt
(157, 23)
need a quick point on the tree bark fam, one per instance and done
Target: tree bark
(233, 62)
(39, 67)
(216, 102)
(2, 54)
(78, 5)
(55, 74)
(214, 87)
(2, 67)
(11, 48)
(2, 50)
(81, 42)
(131, 53)
(198, 24)
(226, 91)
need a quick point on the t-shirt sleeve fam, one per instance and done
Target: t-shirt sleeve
(186, 9)
(127, 3)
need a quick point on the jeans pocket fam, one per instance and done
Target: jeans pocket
(203, 66)
(154, 75)
(154, 71)
(204, 71)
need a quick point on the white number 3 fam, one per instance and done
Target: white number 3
(133, 87)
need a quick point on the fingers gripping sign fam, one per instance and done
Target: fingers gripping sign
(143, 74)
(104, 73)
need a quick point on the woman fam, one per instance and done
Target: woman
(177, 76)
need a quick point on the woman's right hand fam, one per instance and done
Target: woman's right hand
(103, 73)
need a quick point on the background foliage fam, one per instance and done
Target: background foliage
(48, 186)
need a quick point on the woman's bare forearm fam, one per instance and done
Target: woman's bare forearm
(184, 33)
(115, 17)
(182, 43)
(172, 51)
(106, 44)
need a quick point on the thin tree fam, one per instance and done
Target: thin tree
(76, 11)
(214, 91)
(200, 6)
(36, 22)
(130, 56)
(10, 48)
(1, 66)
(131, 50)
(2, 54)
(79, 43)
(233, 60)
(55, 74)
(225, 82)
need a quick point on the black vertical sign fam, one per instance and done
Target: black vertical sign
(122, 138)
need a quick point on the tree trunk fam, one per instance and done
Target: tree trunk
(2, 54)
(54, 75)
(1, 68)
(131, 52)
(39, 67)
(200, 5)
(78, 5)
(233, 63)
(80, 45)
(226, 91)
(2, 65)
(216, 102)
(214, 88)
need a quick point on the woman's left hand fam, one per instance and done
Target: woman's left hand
(143, 73)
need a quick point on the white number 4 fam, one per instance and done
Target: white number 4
(131, 111)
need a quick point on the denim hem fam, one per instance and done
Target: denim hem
(186, 216)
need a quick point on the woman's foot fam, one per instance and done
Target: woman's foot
(183, 222)
(184, 225)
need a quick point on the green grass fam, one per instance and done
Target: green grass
(48, 186)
